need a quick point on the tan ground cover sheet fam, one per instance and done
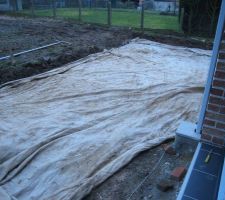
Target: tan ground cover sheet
(65, 131)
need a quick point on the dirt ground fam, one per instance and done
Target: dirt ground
(19, 34)
(146, 166)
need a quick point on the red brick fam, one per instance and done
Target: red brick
(222, 110)
(221, 69)
(222, 45)
(221, 55)
(206, 136)
(218, 83)
(216, 92)
(220, 63)
(209, 122)
(165, 185)
(220, 66)
(215, 116)
(220, 74)
(218, 140)
(214, 131)
(216, 100)
(169, 149)
(178, 173)
(220, 125)
(213, 108)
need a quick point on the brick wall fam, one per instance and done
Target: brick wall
(214, 123)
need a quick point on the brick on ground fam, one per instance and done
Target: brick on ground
(178, 173)
(164, 185)
(169, 149)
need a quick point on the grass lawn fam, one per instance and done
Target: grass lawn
(120, 17)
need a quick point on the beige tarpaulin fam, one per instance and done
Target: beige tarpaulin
(65, 131)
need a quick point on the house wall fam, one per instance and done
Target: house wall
(164, 6)
(19, 4)
(7, 5)
(4, 5)
(214, 121)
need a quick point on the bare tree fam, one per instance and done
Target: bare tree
(192, 6)
(213, 7)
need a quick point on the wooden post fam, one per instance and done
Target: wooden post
(142, 16)
(80, 17)
(109, 13)
(53, 8)
(15, 6)
(175, 6)
(32, 8)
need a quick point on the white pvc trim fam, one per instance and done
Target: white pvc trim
(221, 194)
(216, 46)
(190, 169)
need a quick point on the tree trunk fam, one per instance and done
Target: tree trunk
(212, 22)
(190, 21)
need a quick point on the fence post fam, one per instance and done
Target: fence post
(175, 6)
(80, 18)
(142, 16)
(109, 13)
(15, 6)
(53, 8)
(181, 18)
(32, 8)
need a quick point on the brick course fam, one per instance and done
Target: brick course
(219, 83)
(221, 55)
(213, 108)
(218, 140)
(221, 66)
(217, 92)
(220, 74)
(213, 130)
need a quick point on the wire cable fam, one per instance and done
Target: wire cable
(149, 174)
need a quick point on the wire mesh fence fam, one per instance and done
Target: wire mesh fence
(142, 14)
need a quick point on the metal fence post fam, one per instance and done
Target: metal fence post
(53, 8)
(109, 13)
(79, 4)
(142, 16)
(32, 8)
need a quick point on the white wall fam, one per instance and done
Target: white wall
(7, 7)
(19, 2)
(4, 6)
(163, 6)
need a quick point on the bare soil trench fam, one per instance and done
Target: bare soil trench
(138, 180)
(20, 34)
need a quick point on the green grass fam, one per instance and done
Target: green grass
(120, 17)
(156, 21)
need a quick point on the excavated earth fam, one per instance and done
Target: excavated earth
(19, 34)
